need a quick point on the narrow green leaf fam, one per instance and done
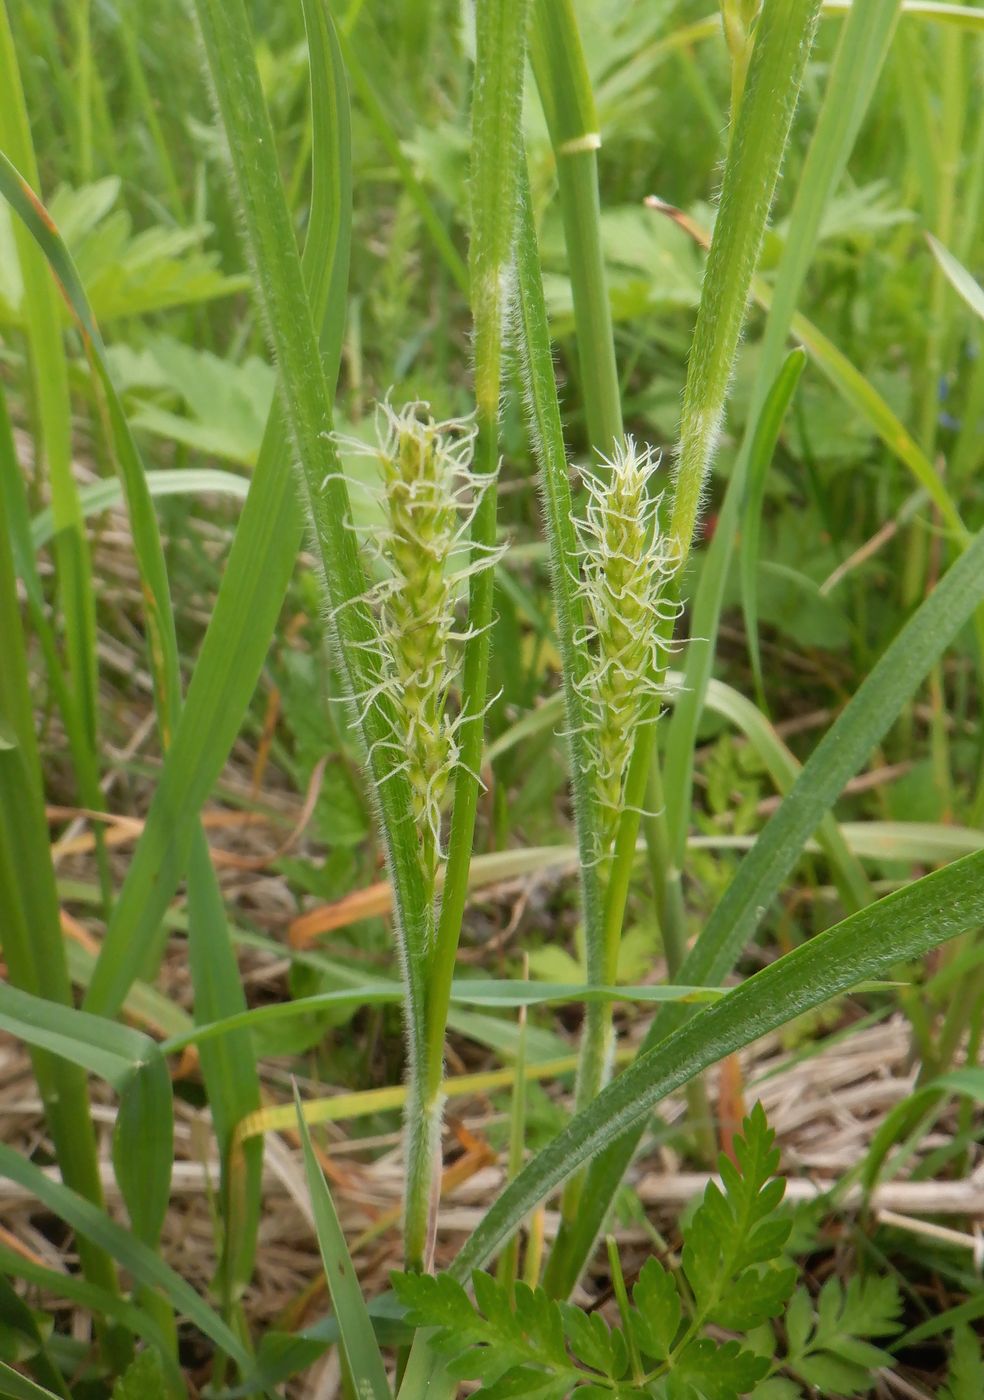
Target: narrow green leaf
(860, 53)
(905, 925)
(18, 1387)
(99, 1303)
(561, 72)
(964, 16)
(107, 494)
(143, 1147)
(763, 446)
(160, 626)
(783, 38)
(105, 1049)
(143, 1263)
(48, 366)
(33, 946)
(359, 1344)
(144, 1379)
(958, 276)
(840, 753)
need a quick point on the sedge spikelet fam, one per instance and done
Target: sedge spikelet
(429, 496)
(626, 568)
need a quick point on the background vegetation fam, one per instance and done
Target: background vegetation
(187, 832)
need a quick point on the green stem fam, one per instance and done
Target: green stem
(568, 103)
(546, 432)
(562, 79)
(496, 150)
(668, 888)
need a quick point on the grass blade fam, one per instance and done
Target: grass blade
(33, 947)
(865, 946)
(108, 494)
(143, 1137)
(359, 1344)
(860, 53)
(49, 374)
(101, 1304)
(562, 78)
(19, 1387)
(94, 1225)
(958, 276)
(760, 454)
(783, 38)
(113, 1053)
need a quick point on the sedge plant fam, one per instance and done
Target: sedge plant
(409, 613)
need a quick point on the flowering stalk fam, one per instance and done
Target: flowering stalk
(429, 497)
(626, 572)
(626, 568)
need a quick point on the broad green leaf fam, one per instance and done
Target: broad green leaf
(359, 1344)
(144, 1379)
(966, 1377)
(23, 1339)
(717, 1372)
(656, 1320)
(134, 274)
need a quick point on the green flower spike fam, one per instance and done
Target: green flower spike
(626, 568)
(429, 496)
